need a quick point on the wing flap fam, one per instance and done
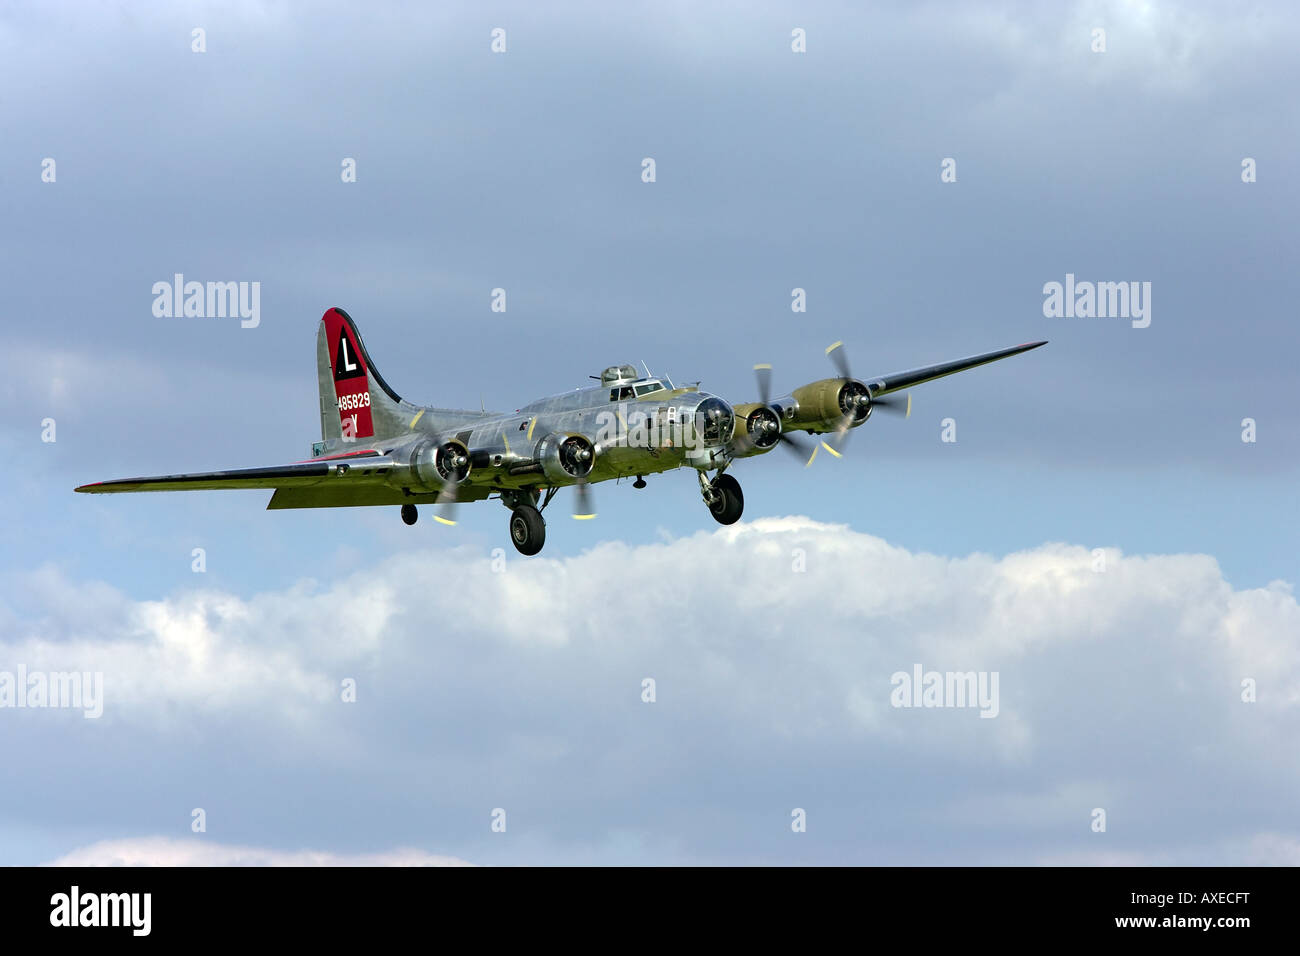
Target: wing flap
(347, 494)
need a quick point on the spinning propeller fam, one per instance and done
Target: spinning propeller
(453, 465)
(577, 457)
(856, 403)
(584, 504)
(763, 425)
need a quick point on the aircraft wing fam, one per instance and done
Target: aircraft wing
(300, 474)
(884, 384)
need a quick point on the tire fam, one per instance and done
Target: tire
(527, 529)
(409, 514)
(730, 503)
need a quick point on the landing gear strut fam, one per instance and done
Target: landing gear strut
(527, 529)
(409, 514)
(724, 498)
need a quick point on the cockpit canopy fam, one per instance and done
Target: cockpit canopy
(625, 382)
(618, 374)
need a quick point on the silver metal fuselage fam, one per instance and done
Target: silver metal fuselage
(631, 435)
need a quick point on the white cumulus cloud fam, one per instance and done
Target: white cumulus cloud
(165, 851)
(771, 646)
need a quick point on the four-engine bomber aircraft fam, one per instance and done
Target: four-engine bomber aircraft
(377, 448)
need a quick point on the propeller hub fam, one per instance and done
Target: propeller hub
(576, 456)
(451, 462)
(565, 457)
(855, 401)
(764, 427)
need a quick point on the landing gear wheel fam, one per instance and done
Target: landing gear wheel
(409, 514)
(527, 529)
(729, 503)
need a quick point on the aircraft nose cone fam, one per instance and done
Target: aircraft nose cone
(716, 420)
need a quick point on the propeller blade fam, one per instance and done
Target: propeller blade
(840, 359)
(446, 503)
(584, 507)
(746, 443)
(841, 362)
(796, 446)
(894, 406)
(842, 429)
(764, 375)
(817, 448)
(741, 446)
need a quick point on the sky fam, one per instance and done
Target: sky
(1099, 535)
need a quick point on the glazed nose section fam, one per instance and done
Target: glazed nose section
(715, 421)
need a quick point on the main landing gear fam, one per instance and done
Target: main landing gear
(723, 496)
(527, 526)
(527, 529)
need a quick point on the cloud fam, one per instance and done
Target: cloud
(164, 851)
(1120, 683)
(1262, 849)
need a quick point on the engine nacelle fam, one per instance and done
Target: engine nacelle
(565, 458)
(758, 425)
(436, 465)
(827, 403)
